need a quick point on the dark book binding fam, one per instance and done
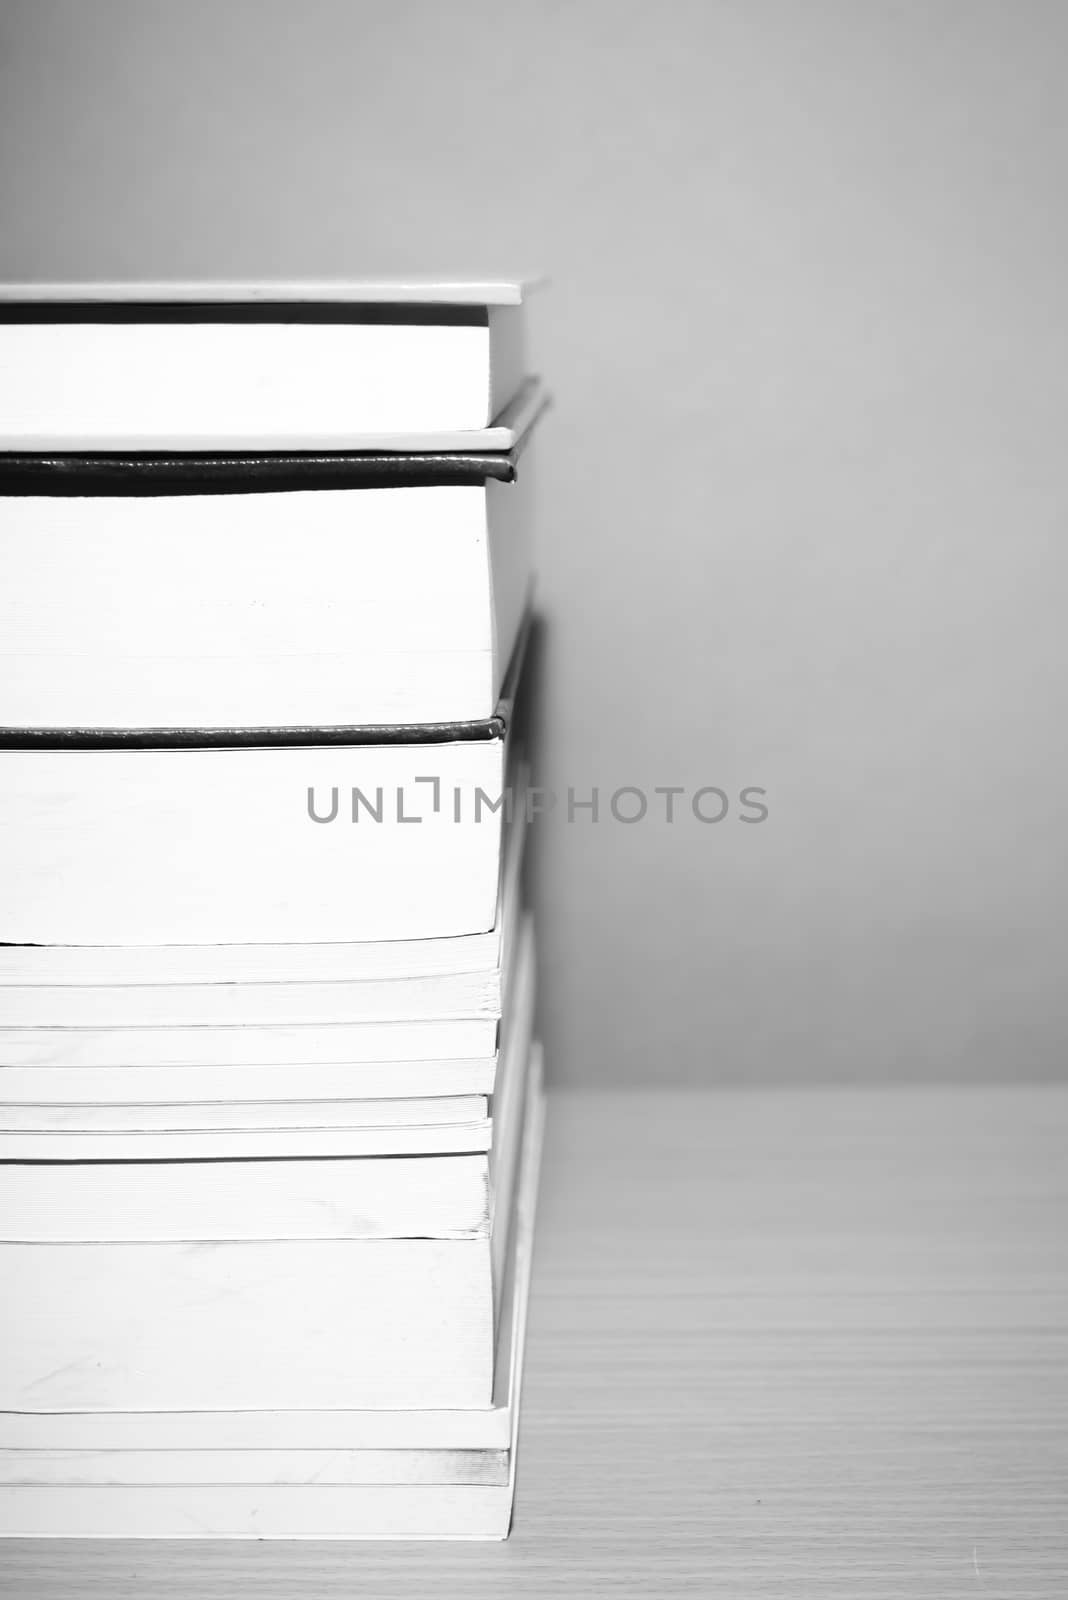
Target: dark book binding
(417, 733)
(143, 475)
(433, 314)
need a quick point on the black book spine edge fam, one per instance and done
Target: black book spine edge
(331, 313)
(418, 733)
(142, 476)
(249, 738)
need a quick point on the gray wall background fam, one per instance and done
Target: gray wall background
(804, 510)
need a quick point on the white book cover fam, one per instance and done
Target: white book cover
(213, 1084)
(310, 1045)
(202, 367)
(250, 845)
(394, 961)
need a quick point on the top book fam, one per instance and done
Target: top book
(368, 365)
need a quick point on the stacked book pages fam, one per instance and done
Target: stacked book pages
(270, 1100)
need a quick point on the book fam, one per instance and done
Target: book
(150, 1201)
(162, 846)
(247, 1082)
(197, 367)
(295, 1468)
(390, 595)
(358, 1117)
(390, 960)
(163, 838)
(294, 1323)
(310, 1046)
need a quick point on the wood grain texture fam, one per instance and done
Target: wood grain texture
(782, 1343)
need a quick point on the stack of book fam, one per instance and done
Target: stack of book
(270, 1101)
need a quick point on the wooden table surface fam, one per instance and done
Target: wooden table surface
(783, 1343)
